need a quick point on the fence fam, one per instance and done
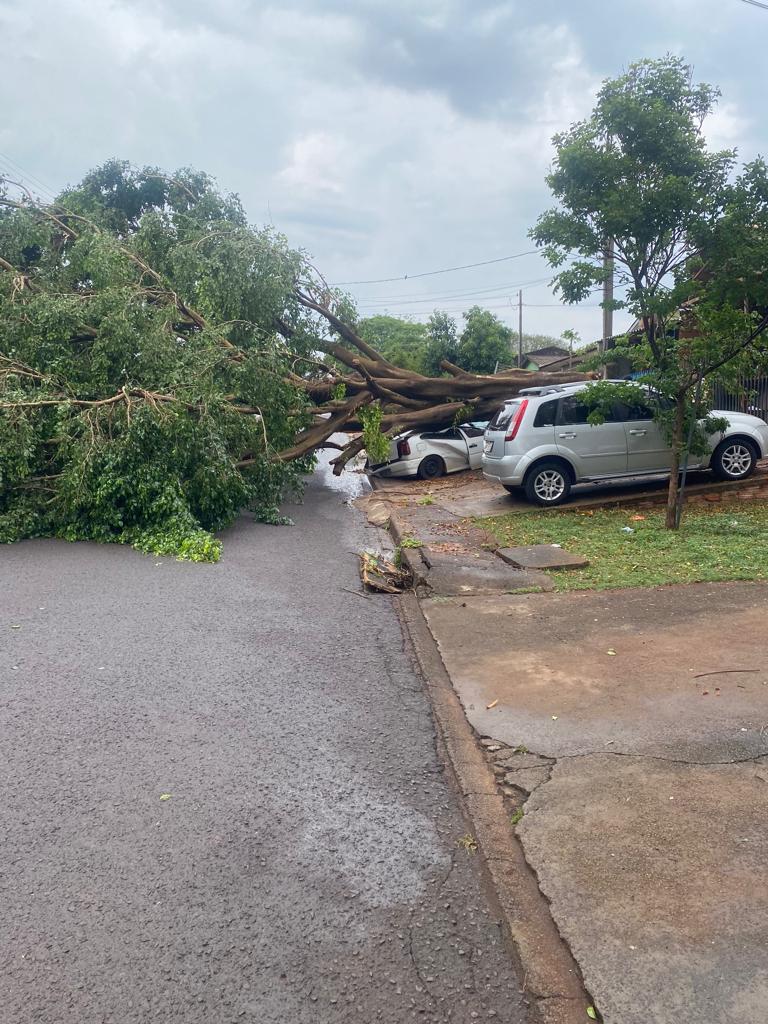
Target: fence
(749, 394)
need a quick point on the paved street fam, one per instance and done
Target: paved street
(305, 866)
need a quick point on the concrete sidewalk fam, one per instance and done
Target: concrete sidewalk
(634, 725)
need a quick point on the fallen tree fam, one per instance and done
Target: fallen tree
(163, 366)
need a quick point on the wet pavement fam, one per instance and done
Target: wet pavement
(222, 796)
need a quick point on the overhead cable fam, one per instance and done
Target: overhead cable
(432, 273)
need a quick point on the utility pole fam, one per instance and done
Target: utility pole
(520, 329)
(607, 300)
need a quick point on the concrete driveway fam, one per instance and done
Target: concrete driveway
(648, 713)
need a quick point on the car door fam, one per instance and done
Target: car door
(473, 434)
(593, 451)
(450, 444)
(647, 449)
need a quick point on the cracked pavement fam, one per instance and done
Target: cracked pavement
(648, 834)
(305, 866)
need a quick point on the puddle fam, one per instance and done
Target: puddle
(349, 484)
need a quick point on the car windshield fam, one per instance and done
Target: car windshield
(502, 418)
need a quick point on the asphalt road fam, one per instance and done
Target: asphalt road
(305, 867)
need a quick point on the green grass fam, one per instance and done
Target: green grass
(726, 543)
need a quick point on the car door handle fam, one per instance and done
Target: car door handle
(638, 433)
(473, 446)
(570, 437)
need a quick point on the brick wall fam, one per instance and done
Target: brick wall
(755, 488)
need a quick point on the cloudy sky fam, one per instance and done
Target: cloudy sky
(387, 137)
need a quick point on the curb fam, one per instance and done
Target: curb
(411, 556)
(550, 974)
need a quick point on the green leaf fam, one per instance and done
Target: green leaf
(591, 1013)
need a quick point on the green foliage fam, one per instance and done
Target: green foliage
(271, 515)
(122, 417)
(484, 342)
(442, 343)
(182, 542)
(376, 443)
(690, 242)
(402, 342)
(411, 542)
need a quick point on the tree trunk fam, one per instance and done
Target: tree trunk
(678, 431)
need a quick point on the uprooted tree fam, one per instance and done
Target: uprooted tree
(164, 365)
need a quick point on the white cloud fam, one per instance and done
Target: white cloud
(386, 136)
(726, 127)
(316, 164)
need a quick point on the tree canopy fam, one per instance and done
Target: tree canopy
(485, 343)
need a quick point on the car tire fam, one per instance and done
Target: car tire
(548, 484)
(734, 459)
(431, 468)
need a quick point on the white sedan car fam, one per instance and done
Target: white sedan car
(429, 454)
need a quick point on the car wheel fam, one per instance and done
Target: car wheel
(431, 468)
(548, 484)
(734, 460)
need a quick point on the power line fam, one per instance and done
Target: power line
(398, 312)
(406, 300)
(16, 170)
(755, 3)
(431, 273)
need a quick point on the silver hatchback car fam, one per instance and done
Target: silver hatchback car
(541, 442)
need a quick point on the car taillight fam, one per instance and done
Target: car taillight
(403, 448)
(517, 420)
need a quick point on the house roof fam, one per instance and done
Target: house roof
(545, 360)
(546, 350)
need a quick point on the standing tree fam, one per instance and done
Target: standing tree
(400, 341)
(442, 343)
(485, 342)
(640, 195)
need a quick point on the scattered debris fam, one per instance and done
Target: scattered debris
(468, 842)
(379, 573)
(492, 704)
(724, 672)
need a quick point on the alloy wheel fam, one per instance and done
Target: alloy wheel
(736, 459)
(549, 485)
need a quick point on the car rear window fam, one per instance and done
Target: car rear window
(546, 414)
(503, 417)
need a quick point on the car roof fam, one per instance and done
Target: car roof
(552, 389)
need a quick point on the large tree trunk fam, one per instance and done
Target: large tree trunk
(678, 441)
(408, 400)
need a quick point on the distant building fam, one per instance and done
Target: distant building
(540, 358)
